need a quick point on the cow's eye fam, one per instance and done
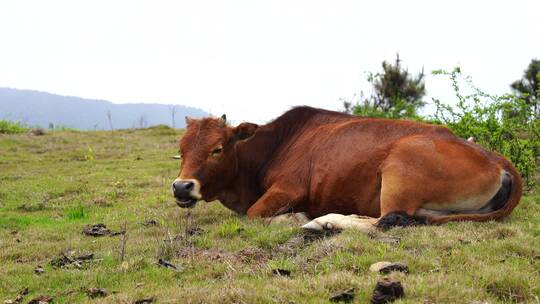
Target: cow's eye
(217, 151)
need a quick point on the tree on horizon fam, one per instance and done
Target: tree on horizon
(396, 93)
(528, 87)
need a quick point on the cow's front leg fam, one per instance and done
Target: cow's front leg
(335, 221)
(275, 201)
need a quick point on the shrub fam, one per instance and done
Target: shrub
(8, 127)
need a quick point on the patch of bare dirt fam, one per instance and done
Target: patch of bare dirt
(251, 254)
(100, 230)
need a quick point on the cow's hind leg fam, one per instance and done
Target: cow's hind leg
(439, 176)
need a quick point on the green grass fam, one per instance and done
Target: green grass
(52, 186)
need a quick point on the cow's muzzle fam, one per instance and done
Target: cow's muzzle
(186, 192)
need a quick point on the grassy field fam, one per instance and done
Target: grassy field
(52, 186)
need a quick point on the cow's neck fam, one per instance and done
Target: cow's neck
(255, 155)
(247, 186)
(241, 193)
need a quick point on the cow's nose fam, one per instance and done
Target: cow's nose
(182, 189)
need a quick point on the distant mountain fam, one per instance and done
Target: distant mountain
(42, 109)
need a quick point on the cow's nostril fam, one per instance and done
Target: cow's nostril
(183, 188)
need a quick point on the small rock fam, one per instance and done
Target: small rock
(42, 299)
(387, 267)
(39, 270)
(37, 132)
(281, 272)
(167, 264)
(96, 230)
(343, 295)
(387, 291)
(96, 292)
(145, 300)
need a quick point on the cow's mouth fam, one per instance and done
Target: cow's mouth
(186, 203)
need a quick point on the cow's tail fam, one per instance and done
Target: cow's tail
(504, 201)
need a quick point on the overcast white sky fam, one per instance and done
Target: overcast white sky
(255, 59)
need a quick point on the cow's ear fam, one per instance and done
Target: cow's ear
(189, 120)
(244, 130)
(223, 118)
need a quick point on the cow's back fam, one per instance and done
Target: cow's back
(338, 161)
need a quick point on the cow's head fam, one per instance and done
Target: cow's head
(208, 157)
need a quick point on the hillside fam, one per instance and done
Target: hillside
(52, 187)
(35, 108)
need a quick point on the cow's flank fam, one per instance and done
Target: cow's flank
(321, 162)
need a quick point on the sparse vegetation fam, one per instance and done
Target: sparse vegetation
(49, 193)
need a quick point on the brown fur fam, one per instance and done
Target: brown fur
(319, 162)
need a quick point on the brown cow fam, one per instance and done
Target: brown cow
(397, 173)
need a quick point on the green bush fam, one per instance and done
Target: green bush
(8, 127)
